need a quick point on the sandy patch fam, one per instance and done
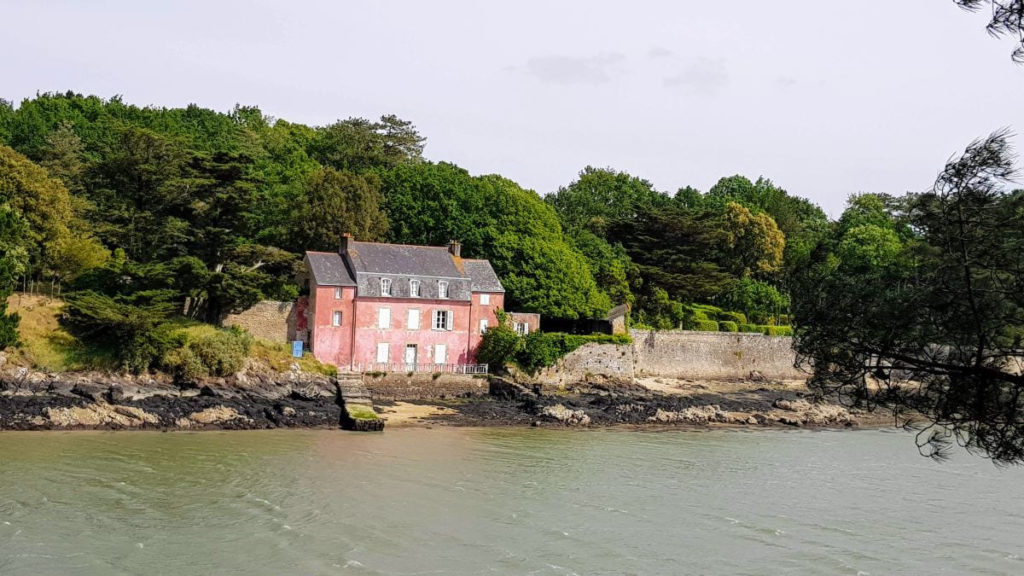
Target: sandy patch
(405, 414)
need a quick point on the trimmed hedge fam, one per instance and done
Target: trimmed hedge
(778, 330)
(727, 326)
(750, 329)
(706, 326)
(735, 317)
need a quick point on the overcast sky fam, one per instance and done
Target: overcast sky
(825, 98)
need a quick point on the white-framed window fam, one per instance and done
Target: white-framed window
(442, 320)
(522, 328)
(440, 353)
(337, 293)
(414, 320)
(383, 352)
(485, 299)
(414, 288)
(385, 286)
(483, 326)
(336, 318)
(442, 289)
(384, 318)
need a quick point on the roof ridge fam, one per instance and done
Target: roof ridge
(445, 248)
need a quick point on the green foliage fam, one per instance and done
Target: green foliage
(212, 352)
(706, 326)
(601, 195)
(750, 329)
(758, 299)
(499, 345)
(336, 203)
(778, 330)
(136, 329)
(727, 326)
(358, 145)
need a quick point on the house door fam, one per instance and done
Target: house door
(440, 354)
(410, 356)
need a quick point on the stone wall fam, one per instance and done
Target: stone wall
(677, 354)
(605, 361)
(267, 320)
(422, 386)
(713, 355)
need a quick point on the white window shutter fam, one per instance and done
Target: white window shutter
(433, 320)
(448, 319)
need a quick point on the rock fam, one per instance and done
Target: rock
(287, 411)
(89, 391)
(792, 405)
(216, 415)
(100, 414)
(565, 415)
(756, 376)
(115, 394)
(691, 415)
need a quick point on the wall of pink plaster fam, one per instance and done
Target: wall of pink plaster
(481, 311)
(331, 344)
(398, 335)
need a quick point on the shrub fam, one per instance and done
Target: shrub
(499, 346)
(750, 328)
(727, 326)
(736, 317)
(706, 326)
(778, 330)
(217, 353)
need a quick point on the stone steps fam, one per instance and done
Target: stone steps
(353, 391)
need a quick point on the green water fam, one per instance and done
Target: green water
(501, 501)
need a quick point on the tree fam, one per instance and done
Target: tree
(63, 156)
(336, 203)
(933, 324)
(600, 195)
(754, 243)
(358, 145)
(44, 203)
(12, 263)
(1007, 19)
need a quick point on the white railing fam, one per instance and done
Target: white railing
(433, 368)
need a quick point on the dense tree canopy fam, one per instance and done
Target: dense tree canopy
(931, 319)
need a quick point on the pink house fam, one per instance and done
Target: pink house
(398, 307)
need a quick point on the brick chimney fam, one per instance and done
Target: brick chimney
(346, 240)
(455, 248)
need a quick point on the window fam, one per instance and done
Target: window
(522, 328)
(414, 288)
(442, 289)
(483, 326)
(385, 286)
(383, 352)
(384, 318)
(442, 320)
(440, 353)
(336, 318)
(337, 293)
(414, 320)
(485, 299)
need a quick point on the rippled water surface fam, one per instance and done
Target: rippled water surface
(501, 501)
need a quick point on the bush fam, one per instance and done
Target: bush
(727, 326)
(8, 326)
(735, 317)
(499, 346)
(778, 330)
(750, 329)
(706, 326)
(217, 353)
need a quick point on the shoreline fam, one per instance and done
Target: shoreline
(255, 399)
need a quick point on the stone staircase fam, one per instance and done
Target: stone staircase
(357, 405)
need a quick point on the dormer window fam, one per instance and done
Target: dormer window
(442, 289)
(385, 286)
(414, 288)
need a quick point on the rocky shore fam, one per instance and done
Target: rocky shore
(258, 398)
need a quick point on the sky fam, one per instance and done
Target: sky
(825, 98)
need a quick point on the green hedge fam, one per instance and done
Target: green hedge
(727, 326)
(778, 330)
(736, 317)
(706, 326)
(751, 328)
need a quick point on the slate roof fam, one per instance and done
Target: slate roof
(482, 276)
(403, 259)
(329, 269)
(369, 260)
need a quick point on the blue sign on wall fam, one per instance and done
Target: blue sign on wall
(297, 348)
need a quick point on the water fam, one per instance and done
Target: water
(501, 501)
